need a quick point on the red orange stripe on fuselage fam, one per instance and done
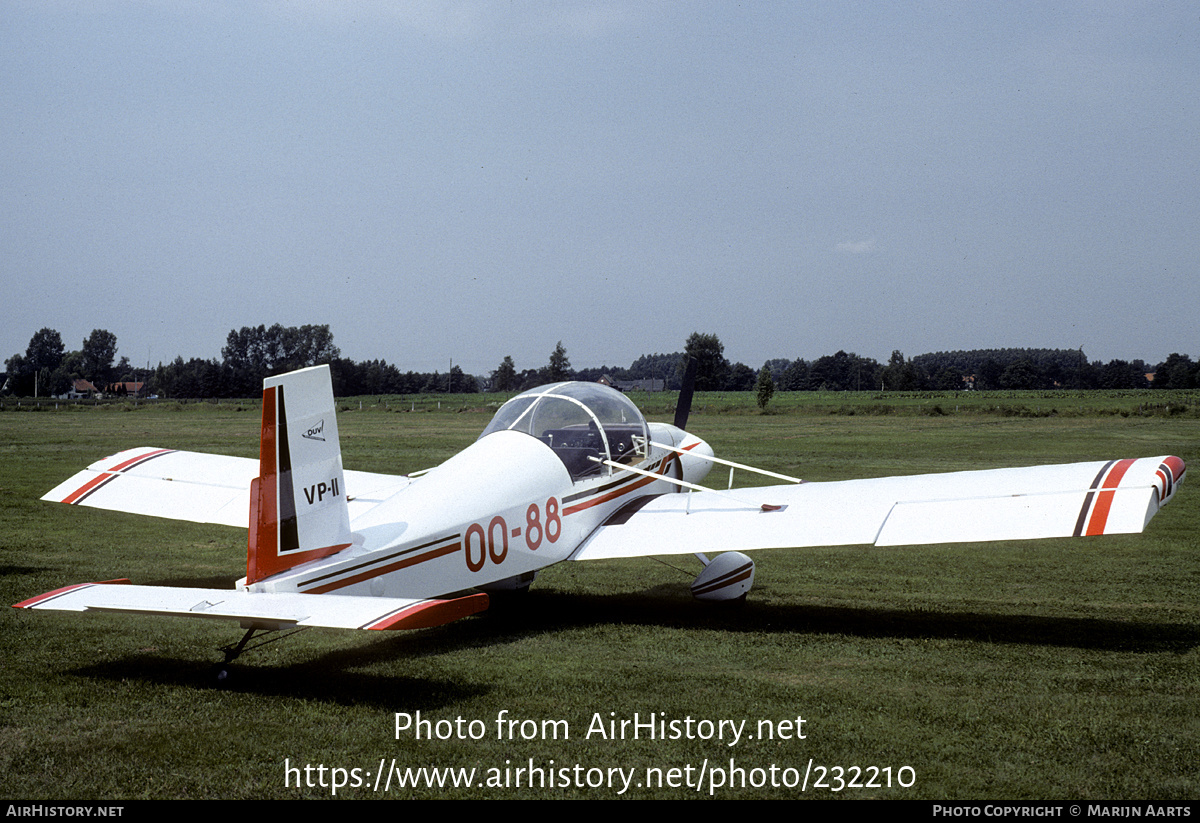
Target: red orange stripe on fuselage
(614, 491)
(440, 549)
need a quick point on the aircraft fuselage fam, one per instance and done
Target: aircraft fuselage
(458, 527)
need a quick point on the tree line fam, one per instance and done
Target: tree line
(256, 352)
(252, 353)
(47, 368)
(1013, 368)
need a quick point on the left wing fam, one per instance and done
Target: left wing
(259, 610)
(1117, 497)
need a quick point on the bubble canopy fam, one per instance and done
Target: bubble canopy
(579, 421)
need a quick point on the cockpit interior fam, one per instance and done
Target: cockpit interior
(581, 422)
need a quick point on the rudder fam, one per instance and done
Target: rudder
(298, 508)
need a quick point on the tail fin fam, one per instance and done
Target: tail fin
(298, 506)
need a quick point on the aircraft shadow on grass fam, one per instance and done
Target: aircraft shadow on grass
(338, 676)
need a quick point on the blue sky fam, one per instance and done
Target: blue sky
(462, 181)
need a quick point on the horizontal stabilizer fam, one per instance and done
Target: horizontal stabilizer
(260, 610)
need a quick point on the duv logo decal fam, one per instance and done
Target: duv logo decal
(317, 432)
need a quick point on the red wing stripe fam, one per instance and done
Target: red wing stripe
(87, 488)
(1171, 470)
(1169, 473)
(1166, 482)
(429, 613)
(1177, 468)
(107, 475)
(142, 458)
(1104, 499)
(1087, 500)
(42, 598)
(48, 596)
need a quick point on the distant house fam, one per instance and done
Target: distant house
(81, 388)
(127, 389)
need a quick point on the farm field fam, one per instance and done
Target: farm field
(1065, 669)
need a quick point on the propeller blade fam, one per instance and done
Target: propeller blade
(684, 406)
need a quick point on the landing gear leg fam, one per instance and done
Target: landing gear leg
(233, 651)
(221, 672)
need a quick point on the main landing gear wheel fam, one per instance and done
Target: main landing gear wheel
(727, 577)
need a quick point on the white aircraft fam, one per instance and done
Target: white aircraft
(569, 471)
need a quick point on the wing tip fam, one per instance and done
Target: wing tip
(33, 602)
(429, 613)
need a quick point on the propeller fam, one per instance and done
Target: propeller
(684, 406)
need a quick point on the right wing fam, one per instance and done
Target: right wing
(1117, 497)
(201, 488)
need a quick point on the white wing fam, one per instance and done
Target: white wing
(201, 488)
(1117, 497)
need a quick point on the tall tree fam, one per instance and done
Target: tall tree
(45, 350)
(19, 377)
(255, 352)
(740, 378)
(99, 350)
(712, 369)
(778, 366)
(32, 373)
(505, 376)
(899, 374)
(795, 377)
(1119, 374)
(844, 372)
(560, 367)
(1022, 375)
(662, 366)
(765, 388)
(1176, 372)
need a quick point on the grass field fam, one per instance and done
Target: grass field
(1054, 669)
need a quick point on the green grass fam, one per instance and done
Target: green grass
(1054, 669)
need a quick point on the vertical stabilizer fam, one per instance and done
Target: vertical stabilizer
(298, 506)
